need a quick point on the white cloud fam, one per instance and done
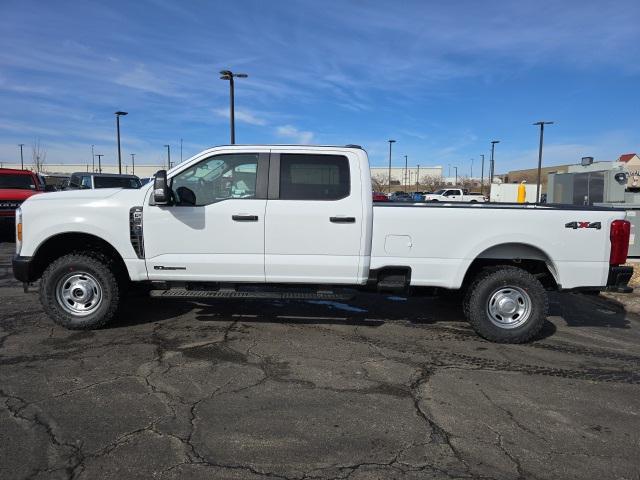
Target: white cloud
(298, 136)
(142, 79)
(244, 116)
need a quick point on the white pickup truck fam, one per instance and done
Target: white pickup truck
(454, 195)
(299, 222)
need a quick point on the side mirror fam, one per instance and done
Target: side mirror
(161, 194)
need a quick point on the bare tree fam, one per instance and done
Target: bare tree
(432, 182)
(38, 154)
(379, 182)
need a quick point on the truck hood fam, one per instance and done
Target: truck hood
(88, 194)
(16, 194)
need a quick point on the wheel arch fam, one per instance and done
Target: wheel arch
(523, 255)
(62, 244)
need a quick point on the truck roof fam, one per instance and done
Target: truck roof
(16, 171)
(96, 174)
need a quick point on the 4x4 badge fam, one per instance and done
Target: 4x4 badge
(575, 225)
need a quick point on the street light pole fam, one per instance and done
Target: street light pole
(21, 156)
(168, 156)
(118, 115)
(229, 75)
(471, 175)
(133, 163)
(542, 124)
(406, 176)
(492, 163)
(482, 175)
(99, 155)
(456, 184)
(418, 178)
(93, 159)
(391, 142)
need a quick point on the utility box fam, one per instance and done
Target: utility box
(585, 188)
(508, 192)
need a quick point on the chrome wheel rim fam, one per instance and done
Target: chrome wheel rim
(79, 293)
(509, 307)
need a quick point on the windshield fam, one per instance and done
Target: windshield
(439, 192)
(116, 182)
(18, 182)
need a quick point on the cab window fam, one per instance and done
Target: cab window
(217, 178)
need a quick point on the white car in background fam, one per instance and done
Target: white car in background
(454, 195)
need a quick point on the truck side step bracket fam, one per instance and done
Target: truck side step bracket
(183, 293)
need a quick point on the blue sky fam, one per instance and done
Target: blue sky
(442, 78)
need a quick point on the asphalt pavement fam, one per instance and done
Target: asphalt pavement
(381, 387)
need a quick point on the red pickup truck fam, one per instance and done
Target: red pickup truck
(15, 187)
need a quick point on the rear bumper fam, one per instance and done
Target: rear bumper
(22, 268)
(619, 278)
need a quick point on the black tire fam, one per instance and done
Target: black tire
(100, 270)
(489, 285)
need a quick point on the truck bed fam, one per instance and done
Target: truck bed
(441, 240)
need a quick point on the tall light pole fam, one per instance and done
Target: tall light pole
(133, 163)
(405, 172)
(492, 163)
(418, 178)
(449, 174)
(168, 156)
(93, 159)
(471, 174)
(456, 184)
(21, 156)
(118, 115)
(542, 124)
(229, 75)
(482, 175)
(391, 142)
(99, 155)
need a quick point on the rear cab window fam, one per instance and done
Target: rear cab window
(314, 177)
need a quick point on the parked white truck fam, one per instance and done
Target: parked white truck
(299, 222)
(454, 195)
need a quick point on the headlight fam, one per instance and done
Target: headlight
(18, 230)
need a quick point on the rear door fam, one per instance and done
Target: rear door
(314, 217)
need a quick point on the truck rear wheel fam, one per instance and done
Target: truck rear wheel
(80, 291)
(506, 304)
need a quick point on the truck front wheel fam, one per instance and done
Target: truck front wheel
(79, 291)
(506, 304)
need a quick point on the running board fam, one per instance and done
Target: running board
(184, 293)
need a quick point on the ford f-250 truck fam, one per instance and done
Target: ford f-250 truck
(299, 222)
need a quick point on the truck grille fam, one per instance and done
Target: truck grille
(135, 231)
(10, 204)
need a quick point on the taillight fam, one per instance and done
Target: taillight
(620, 230)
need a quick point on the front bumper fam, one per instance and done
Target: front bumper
(619, 277)
(23, 268)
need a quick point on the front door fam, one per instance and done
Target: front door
(314, 219)
(213, 230)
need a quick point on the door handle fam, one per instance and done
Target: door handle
(342, 219)
(244, 218)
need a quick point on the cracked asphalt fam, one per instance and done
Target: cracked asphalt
(375, 388)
